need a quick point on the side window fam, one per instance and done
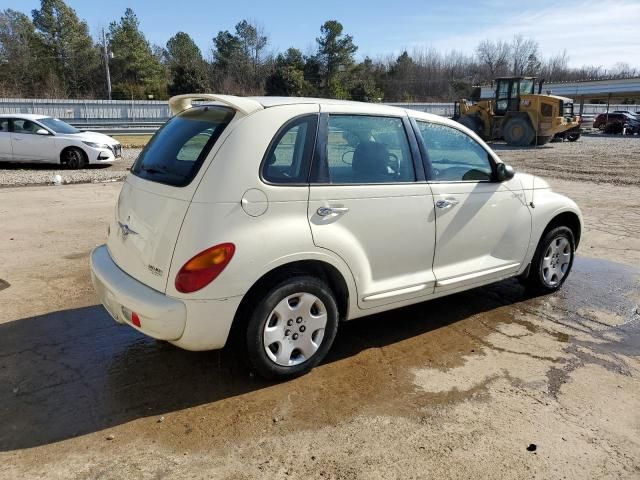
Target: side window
(24, 126)
(364, 149)
(290, 152)
(4, 125)
(454, 155)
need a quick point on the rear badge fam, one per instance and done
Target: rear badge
(155, 270)
(125, 230)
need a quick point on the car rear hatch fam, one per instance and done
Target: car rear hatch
(156, 195)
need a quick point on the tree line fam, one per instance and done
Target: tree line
(52, 55)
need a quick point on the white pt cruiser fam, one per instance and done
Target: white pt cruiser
(278, 218)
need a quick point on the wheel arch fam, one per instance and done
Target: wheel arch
(315, 268)
(567, 219)
(73, 147)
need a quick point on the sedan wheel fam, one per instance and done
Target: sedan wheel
(74, 158)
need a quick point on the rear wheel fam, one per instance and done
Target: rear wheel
(518, 132)
(552, 261)
(292, 328)
(74, 158)
(572, 137)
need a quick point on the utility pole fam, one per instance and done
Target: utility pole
(107, 55)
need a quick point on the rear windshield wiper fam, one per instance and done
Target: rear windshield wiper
(153, 170)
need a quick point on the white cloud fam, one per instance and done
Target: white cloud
(601, 32)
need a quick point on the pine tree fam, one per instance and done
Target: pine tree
(68, 45)
(135, 71)
(187, 68)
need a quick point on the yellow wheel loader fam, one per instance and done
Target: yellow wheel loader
(518, 115)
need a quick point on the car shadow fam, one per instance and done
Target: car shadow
(76, 371)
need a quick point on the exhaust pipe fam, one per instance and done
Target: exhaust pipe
(540, 86)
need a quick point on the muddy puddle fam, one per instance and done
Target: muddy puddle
(75, 372)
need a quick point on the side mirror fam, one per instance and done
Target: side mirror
(42, 131)
(504, 172)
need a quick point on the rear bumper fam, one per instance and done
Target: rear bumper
(161, 317)
(189, 324)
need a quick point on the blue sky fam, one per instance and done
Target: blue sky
(600, 32)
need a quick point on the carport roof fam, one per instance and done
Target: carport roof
(616, 87)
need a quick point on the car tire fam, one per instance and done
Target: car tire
(291, 328)
(552, 261)
(74, 158)
(573, 137)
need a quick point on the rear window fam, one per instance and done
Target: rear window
(175, 153)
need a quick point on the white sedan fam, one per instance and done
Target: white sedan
(37, 138)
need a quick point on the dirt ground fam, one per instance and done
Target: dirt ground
(490, 383)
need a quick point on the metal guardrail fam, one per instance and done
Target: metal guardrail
(143, 117)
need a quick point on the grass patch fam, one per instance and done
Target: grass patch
(132, 141)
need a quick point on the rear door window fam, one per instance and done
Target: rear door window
(176, 152)
(289, 156)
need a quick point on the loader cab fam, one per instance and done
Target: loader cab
(508, 91)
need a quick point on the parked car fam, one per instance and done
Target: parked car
(628, 112)
(273, 220)
(617, 122)
(37, 138)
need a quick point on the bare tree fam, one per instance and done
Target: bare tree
(524, 55)
(494, 56)
(556, 67)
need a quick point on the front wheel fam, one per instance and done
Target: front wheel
(74, 158)
(292, 328)
(552, 261)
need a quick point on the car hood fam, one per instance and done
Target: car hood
(529, 182)
(94, 137)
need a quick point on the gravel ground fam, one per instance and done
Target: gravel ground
(489, 383)
(21, 174)
(593, 158)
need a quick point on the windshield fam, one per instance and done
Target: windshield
(57, 125)
(175, 153)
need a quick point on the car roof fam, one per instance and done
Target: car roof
(364, 107)
(23, 116)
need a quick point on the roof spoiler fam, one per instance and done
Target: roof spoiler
(244, 105)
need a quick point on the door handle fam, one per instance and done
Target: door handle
(326, 211)
(447, 202)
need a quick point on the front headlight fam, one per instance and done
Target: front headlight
(97, 145)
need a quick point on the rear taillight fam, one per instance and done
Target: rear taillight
(202, 269)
